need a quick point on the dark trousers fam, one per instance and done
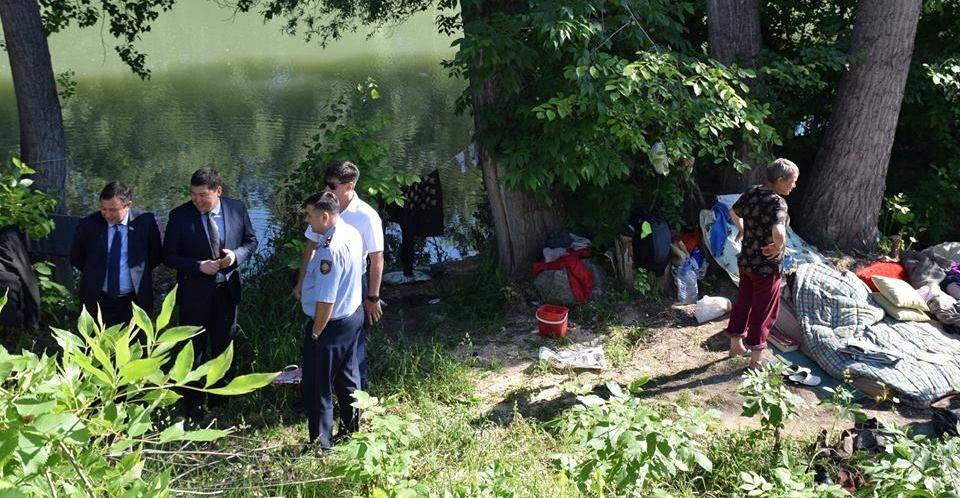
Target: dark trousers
(115, 310)
(756, 308)
(362, 340)
(330, 367)
(362, 352)
(219, 324)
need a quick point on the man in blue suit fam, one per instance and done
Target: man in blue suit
(206, 241)
(116, 250)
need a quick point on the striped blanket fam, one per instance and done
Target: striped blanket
(850, 338)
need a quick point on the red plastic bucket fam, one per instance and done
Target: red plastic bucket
(552, 320)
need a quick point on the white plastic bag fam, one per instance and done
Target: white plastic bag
(586, 358)
(711, 308)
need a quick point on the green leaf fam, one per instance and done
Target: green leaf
(8, 443)
(219, 366)
(703, 461)
(645, 229)
(121, 348)
(198, 373)
(85, 324)
(67, 340)
(86, 365)
(902, 451)
(91, 333)
(183, 363)
(65, 424)
(32, 406)
(172, 433)
(33, 451)
(244, 384)
(138, 369)
(166, 311)
(139, 422)
(142, 320)
(177, 334)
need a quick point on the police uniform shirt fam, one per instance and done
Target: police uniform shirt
(334, 274)
(365, 219)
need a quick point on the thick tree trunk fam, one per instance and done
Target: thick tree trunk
(845, 189)
(42, 142)
(734, 36)
(521, 221)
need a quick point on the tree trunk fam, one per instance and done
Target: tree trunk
(846, 186)
(521, 220)
(734, 36)
(42, 142)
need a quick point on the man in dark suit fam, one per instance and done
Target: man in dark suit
(116, 250)
(206, 240)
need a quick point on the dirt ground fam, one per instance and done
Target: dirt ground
(686, 362)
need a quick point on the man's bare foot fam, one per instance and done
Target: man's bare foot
(754, 366)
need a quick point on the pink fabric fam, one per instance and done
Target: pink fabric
(756, 308)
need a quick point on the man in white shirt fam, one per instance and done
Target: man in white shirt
(341, 180)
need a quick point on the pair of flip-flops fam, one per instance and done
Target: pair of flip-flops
(801, 375)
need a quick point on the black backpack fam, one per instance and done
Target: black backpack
(653, 251)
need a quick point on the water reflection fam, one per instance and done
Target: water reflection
(245, 115)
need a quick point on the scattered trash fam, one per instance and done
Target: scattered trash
(711, 308)
(398, 278)
(291, 374)
(588, 358)
(434, 300)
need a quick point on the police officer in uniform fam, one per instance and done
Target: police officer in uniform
(332, 297)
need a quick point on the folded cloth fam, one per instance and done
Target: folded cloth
(581, 278)
(864, 351)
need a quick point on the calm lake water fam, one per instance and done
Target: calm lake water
(234, 93)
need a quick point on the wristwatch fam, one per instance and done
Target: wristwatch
(373, 299)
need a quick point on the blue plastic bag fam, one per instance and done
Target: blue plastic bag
(685, 276)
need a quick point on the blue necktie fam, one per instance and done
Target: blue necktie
(113, 264)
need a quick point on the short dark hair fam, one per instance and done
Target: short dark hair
(118, 190)
(343, 171)
(323, 201)
(208, 177)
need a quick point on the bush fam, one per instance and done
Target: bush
(349, 131)
(624, 446)
(22, 206)
(79, 422)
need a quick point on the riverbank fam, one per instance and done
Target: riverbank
(460, 352)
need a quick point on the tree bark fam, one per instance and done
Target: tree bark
(846, 187)
(521, 220)
(42, 142)
(733, 35)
